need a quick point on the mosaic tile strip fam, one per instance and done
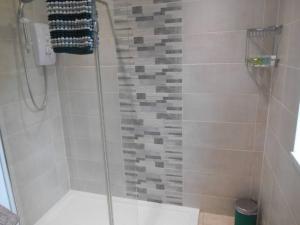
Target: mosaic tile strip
(150, 91)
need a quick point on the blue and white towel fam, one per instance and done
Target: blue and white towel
(72, 26)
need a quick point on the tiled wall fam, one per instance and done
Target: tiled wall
(78, 93)
(150, 87)
(224, 112)
(280, 198)
(33, 140)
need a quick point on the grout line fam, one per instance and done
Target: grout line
(292, 22)
(217, 32)
(287, 152)
(212, 196)
(193, 147)
(253, 176)
(284, 107)
(21, 100)
(278, 11)
(226, 94)
(273, 132)
(239, 176)
(154, 65)
(263, 13)
(289, 66)
(30, 126)
(218, 122)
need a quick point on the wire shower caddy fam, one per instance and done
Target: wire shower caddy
(260, 34)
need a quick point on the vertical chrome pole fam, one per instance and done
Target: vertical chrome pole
(103, 136)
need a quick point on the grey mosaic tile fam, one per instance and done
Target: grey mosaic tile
(150, 93)
(137, 10)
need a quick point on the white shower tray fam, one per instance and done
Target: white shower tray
(81, 208)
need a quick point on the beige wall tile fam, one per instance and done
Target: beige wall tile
(88, 186)
(219, 135)
(289, 11)
(85, 126)
(291, 95)
(220, 47)
(220, 107)
(214, 161)
(85, 149)
(266, 193)
(110, 79)
(212, 15)
(259, 139)
(278, 82)
(8, 88)
(80, 78)
(270, 12)
(9, 57)
(284, 42)
(211, 204)
(218, 78)
(281, 177)
(84, 103)
(77, 60)
(216, 185)
(294, 48)
(280, 212)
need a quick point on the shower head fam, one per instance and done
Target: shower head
(22, 4)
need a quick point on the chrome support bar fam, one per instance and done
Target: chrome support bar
(102, 123)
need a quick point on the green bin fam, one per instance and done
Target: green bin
(246, 212)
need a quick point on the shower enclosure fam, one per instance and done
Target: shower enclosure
(161, 122)
(103, 144)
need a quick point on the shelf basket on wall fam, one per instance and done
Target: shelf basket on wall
(266, 57)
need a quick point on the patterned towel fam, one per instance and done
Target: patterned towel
(7, 217)
(72, 26)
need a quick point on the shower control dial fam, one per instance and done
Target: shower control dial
(41, 42)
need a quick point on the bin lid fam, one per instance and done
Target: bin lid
(246, 207)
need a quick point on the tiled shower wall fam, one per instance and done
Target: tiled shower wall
(223, 110)
(150, 92)
(78, 93)
(280, 198)
(34, 141)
